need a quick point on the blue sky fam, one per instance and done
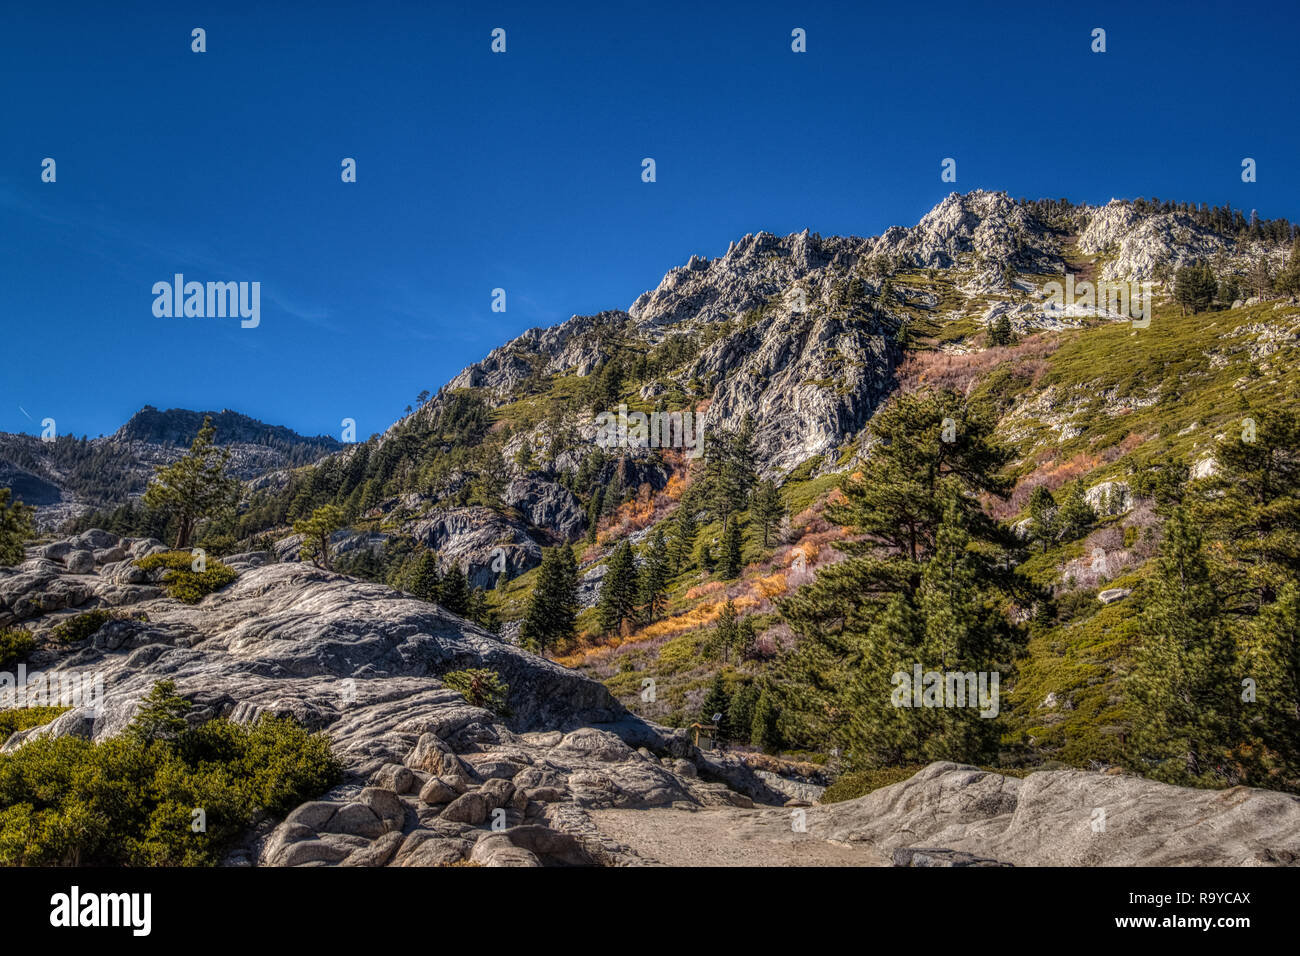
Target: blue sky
(523, 170)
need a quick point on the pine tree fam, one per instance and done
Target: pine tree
(654, 577)
(740, 714)
(1273, 661)
(704, 556)
(594, 507)
(618, 591)
(316, 532)
(683, 536)
(763, 732)
(1074, 517)
(424, 581)
(932, 456)
(1183, 685)
(553, 605)
(725, 633)
(453, 592)
(16, 529)
(195, 486)
(731, 561)
(1042, 511)
(717, 701)
(768, 509)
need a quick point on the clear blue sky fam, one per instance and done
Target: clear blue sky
(522, 170)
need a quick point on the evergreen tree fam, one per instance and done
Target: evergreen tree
(453, 592)
(683, 536)
(729, 472)
(725, 638)
(160, 715)
(1252, 506)
(618, 591)
(316, 532)
(1000, 332)
(1273, 662)
(553, 606)
(195, 486)
(1043, 511)
(654, 576)
(1183, 687)
(768, 508)
(1195, 287)
(717, 701)
(704, 556)
(932, 455)
(740, 714)
(594, 506)
(763, 732)
(731, 561)
(16, 529)
(1075, 517)
(424, 581)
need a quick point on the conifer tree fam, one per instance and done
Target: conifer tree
(195, 486)
(717, 701)
(740, 713)
(768, 509)
(316, 532)
(424, 581)
(654, 576)
(683, 536)
(453, 592)
(1042, 511)
(618, 592)
(763, 732)
(16, 529)
(731, 561)
(594, 507)
(1183, 687)
(553, 605)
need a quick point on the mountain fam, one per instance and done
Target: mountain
(1115, 480)
(69, 476)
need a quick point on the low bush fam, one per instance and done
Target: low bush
(182, 581)
(81, 626)
(480, 687)
(14, 719)
(15, 644)
(137, 799)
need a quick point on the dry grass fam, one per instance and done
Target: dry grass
(960, 371)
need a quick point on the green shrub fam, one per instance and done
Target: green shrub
(81, 626)
(15, 644)
(131, 802)
(182, 581)
(15, 719)
(480, 687)
(861, 782)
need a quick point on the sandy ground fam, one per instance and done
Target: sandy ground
(725, 836)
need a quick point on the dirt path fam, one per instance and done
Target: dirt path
(724, 836)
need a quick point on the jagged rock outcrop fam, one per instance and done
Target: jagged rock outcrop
(983, 228)
(547, 505)
(479, 540)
